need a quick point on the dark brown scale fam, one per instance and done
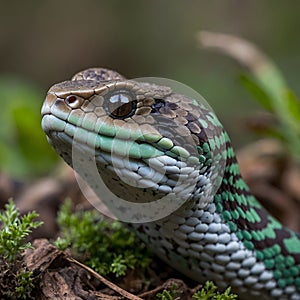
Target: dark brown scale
(193, 127)
(157, 105)
(172, 105)
(181, 112)
(167, 112)
(162, 120)
(241, 223)
(190, 117)
(195, 139)
(182, 120)
(202, 136)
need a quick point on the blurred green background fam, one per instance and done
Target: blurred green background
(43, 42)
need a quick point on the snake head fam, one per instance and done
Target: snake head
(144, 140)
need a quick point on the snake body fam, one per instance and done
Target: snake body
(227, 237)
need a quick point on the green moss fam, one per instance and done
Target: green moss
(209, 292)
(107, 247)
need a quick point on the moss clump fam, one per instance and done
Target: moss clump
(107, 247)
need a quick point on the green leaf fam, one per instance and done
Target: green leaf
(257, 91)
(293, 105)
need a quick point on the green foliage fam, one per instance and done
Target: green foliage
(24, 284)
(168, 295)
(24, 150)
(14, 231)
(257, 91)
(266, 83)
(107, 247)
(16, 280)
(269, 88)
(209, 292)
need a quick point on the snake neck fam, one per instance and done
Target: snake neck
(275, 245)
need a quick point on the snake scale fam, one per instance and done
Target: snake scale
(226, 236)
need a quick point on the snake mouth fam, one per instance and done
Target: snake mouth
(141, 141)
(138, 164)
(61, 130)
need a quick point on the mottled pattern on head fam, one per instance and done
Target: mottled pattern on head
(98, 74)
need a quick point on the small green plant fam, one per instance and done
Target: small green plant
(209, 292)
(15, 280)
(168, 294)
(25, 284)
(107, 247)
(14, 231)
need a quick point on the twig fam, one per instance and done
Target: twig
(114, 287)
(166, 285)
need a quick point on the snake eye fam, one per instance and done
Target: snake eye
(120, 105)
(74, 101)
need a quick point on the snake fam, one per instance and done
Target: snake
(177, 146)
